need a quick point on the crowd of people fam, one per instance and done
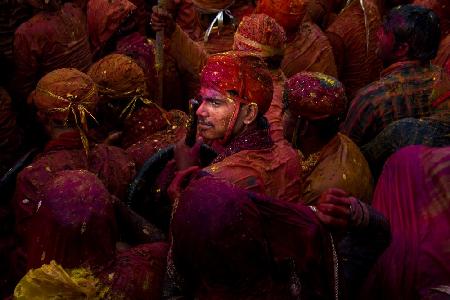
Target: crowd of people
(225, 149)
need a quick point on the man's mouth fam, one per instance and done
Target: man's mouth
(202, 124)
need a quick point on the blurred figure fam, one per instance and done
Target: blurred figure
(413, 193)
(410, 85)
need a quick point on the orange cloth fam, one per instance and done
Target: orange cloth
(104, 17)
(273, 171)
(49, 41)
(340, 165)
(275, 113)
(360, 65)
(309, 51)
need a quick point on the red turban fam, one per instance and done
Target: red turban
(315, 95)
(260, 35)
(288, 13)
(241, 73)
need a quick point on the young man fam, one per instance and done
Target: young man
(236, 92)
(407, 41)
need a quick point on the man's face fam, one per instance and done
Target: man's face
(215, 113)
(385, 45)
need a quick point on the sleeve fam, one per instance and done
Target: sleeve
(361, 247)
(189, 55)
(360, 115)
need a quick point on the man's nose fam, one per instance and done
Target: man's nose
(201, 111)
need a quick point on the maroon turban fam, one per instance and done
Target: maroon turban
(315, 95)
(74, 222)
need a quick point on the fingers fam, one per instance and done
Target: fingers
(175, 187)
(161, 19)
(332, 222)
(336, 211)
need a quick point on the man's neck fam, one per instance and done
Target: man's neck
(311, 142)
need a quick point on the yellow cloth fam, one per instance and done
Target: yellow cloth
(53, 282)
(340, 165)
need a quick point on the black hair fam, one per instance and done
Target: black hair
(418, 27)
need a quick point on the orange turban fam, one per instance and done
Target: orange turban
(315, 95)
(119, 77)
(260, 35)
(66, 95)
(288, 13)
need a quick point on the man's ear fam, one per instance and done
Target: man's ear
(250, 112)
(402, 50)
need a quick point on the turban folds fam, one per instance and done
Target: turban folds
(260, 35)
(67, 95)
(244, 75)
(118, 77)
(315, 95)
(60, 90)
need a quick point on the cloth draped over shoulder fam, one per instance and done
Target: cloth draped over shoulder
(49, 41)
(340, 165)
(413, 193)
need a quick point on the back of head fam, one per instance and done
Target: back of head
(418, 27)
(104, 18)
(288, 13)
(119, 80)
(74, 223)
(315, 96)
(243, 76)
(260, 35)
